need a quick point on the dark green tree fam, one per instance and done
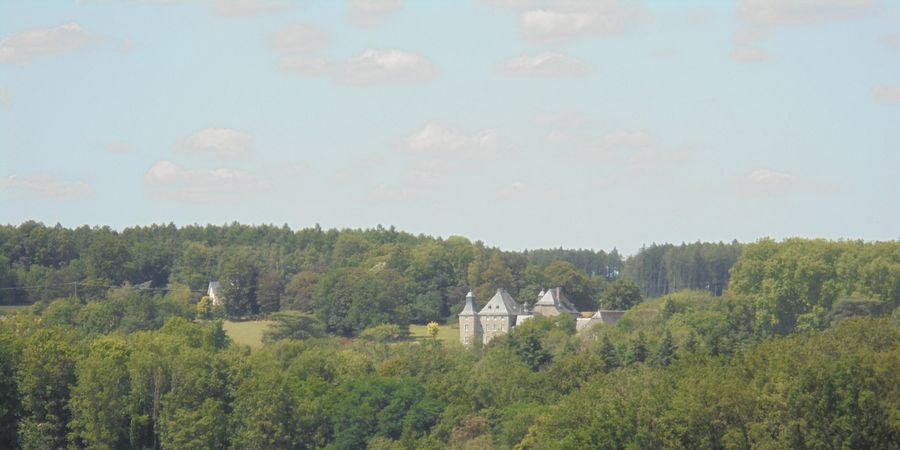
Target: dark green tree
(620, 295)
(666, 352)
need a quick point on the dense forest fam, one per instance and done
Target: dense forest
(796, 344)
(390, 275)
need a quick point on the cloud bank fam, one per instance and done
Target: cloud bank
(22, 48)
(42, 185)
(216, 143)
(169, 181)
(545, 64)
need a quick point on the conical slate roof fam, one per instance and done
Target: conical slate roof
(501, 304)
(469, 309)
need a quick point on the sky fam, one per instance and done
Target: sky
(521, 123)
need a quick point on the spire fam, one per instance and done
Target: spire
(469, 309)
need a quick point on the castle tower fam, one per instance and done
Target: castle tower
(499, 315)
(469, 324)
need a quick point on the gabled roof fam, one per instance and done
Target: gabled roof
(555, 297)
(501, 304)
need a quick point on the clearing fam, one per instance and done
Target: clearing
(250, 332)
(247, 333)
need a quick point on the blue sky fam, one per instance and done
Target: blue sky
(522, 123)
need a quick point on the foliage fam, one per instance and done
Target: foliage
(795, 354)
(293, 325)
(620, 295)
(664, 269)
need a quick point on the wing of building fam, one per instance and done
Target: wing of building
(502, 313)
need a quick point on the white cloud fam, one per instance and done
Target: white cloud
(298, 38)
(562, 118)
(571, 19)
(750, 54)
(893, 41)
(767, 181)
(435, 138)
(799, 12)
(371, 67)
(22, 47)
(624, 139)
(634, 151)
(118, 147)
(886, 94)
(519, 190)
(217, 142)
(371, 12)
(514, 4)
(758, 17)
(545, 64)
(377, 66)
(43, 185)
(307, 65)
(385, 192)
(247, 8)
(167, 180)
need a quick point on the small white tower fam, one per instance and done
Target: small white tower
(469, 325)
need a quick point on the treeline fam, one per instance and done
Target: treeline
(351, 278)
(801, 352)
(662, 269)
(688, 370)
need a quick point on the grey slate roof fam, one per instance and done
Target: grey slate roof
(469, 309)
(555, 297)
(501, 304)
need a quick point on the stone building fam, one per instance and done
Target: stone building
(502, 313)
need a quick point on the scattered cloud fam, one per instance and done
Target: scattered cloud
(572, 19)
(634, 151)
(562, 118)
(298, 38)
(801, 12)
(295, 169)
(767, 181)
(545, 64)
(746, 43)
(750, 54)
(43, 185)
(758, 17)
(169, 181)
(247, 8)
(435, 138)
(376, 66)
(371, 12)
(664, 52)
(515, 4)
(216, 142)
(371, 67)
(893, 41)
(22, 47)
(307, 65)
(886, 94)
(519, 190)
(118, 147)
(386, 193)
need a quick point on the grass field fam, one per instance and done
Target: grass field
(250, 332)
(12, 309)
(449, 334)
(247, 333)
